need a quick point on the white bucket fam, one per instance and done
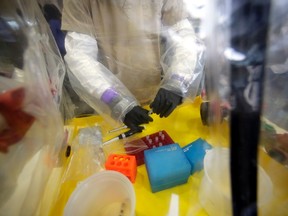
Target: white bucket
(106, 193)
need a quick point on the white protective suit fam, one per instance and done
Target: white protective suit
(119, 50)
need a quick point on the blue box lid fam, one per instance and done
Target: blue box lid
(195, 153)
(166, 165)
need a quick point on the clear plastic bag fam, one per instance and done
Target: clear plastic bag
(86, 158)
(275, 108)
(246, 81)
(31, 126)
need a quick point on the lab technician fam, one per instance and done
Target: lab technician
(121, 53)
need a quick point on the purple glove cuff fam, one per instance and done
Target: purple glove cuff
(109, 95)
(177, 77)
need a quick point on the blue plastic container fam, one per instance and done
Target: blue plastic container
(167, 166)
(195, 153)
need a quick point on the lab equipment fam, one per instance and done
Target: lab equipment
(125, 164)
(117, 129)
(213, 113)
(138, 146)
(87, 154)
(195, 153)
(91, 138)
(104, 193)
(167, 166)
(124, 135)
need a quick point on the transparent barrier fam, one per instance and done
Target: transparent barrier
(180, 165)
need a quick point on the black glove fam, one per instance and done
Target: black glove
(165, 102)
(136, 117)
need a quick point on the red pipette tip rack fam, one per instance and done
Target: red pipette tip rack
(138, 146)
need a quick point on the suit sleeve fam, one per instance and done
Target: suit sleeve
(183, 57)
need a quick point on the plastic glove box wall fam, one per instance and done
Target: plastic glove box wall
(167, 166)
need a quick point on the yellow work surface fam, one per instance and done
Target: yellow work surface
(183, 126)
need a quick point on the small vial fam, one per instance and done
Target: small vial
(156, 139)
(162, 136)
(150, 141)
(160, 144)
(147, 137)
(154, 146)
(160, 133)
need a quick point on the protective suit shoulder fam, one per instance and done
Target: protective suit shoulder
(77, 17)
(173, 11)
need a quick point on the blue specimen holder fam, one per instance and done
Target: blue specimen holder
(167, 166)
(195, 153)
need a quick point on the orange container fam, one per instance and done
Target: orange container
(125, 164)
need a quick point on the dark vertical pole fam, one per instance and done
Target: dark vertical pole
(248, 28)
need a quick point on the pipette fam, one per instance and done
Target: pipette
(124, 135)
(117, 129)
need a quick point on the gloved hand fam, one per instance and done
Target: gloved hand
(165, 102)
(136, 117)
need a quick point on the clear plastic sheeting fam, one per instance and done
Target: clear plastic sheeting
(55, 69)
(224, 61)
(31, 129)
(86, 158)
(109, 93)
(197, 10)
(119, 51)
(275, 108)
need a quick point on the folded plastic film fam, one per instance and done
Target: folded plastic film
(31, 127)
(127, 145)
(275, 97)
(87, 155)
(135, 146)
(183, 60)
(87, 158)
(234, 83)
(55, 69)
(275, 122)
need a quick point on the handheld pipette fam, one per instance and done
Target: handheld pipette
(124, 135)
(117, 129)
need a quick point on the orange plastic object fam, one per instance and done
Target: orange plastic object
(18, 121)
(126, 164)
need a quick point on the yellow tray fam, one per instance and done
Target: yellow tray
(184, 126)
